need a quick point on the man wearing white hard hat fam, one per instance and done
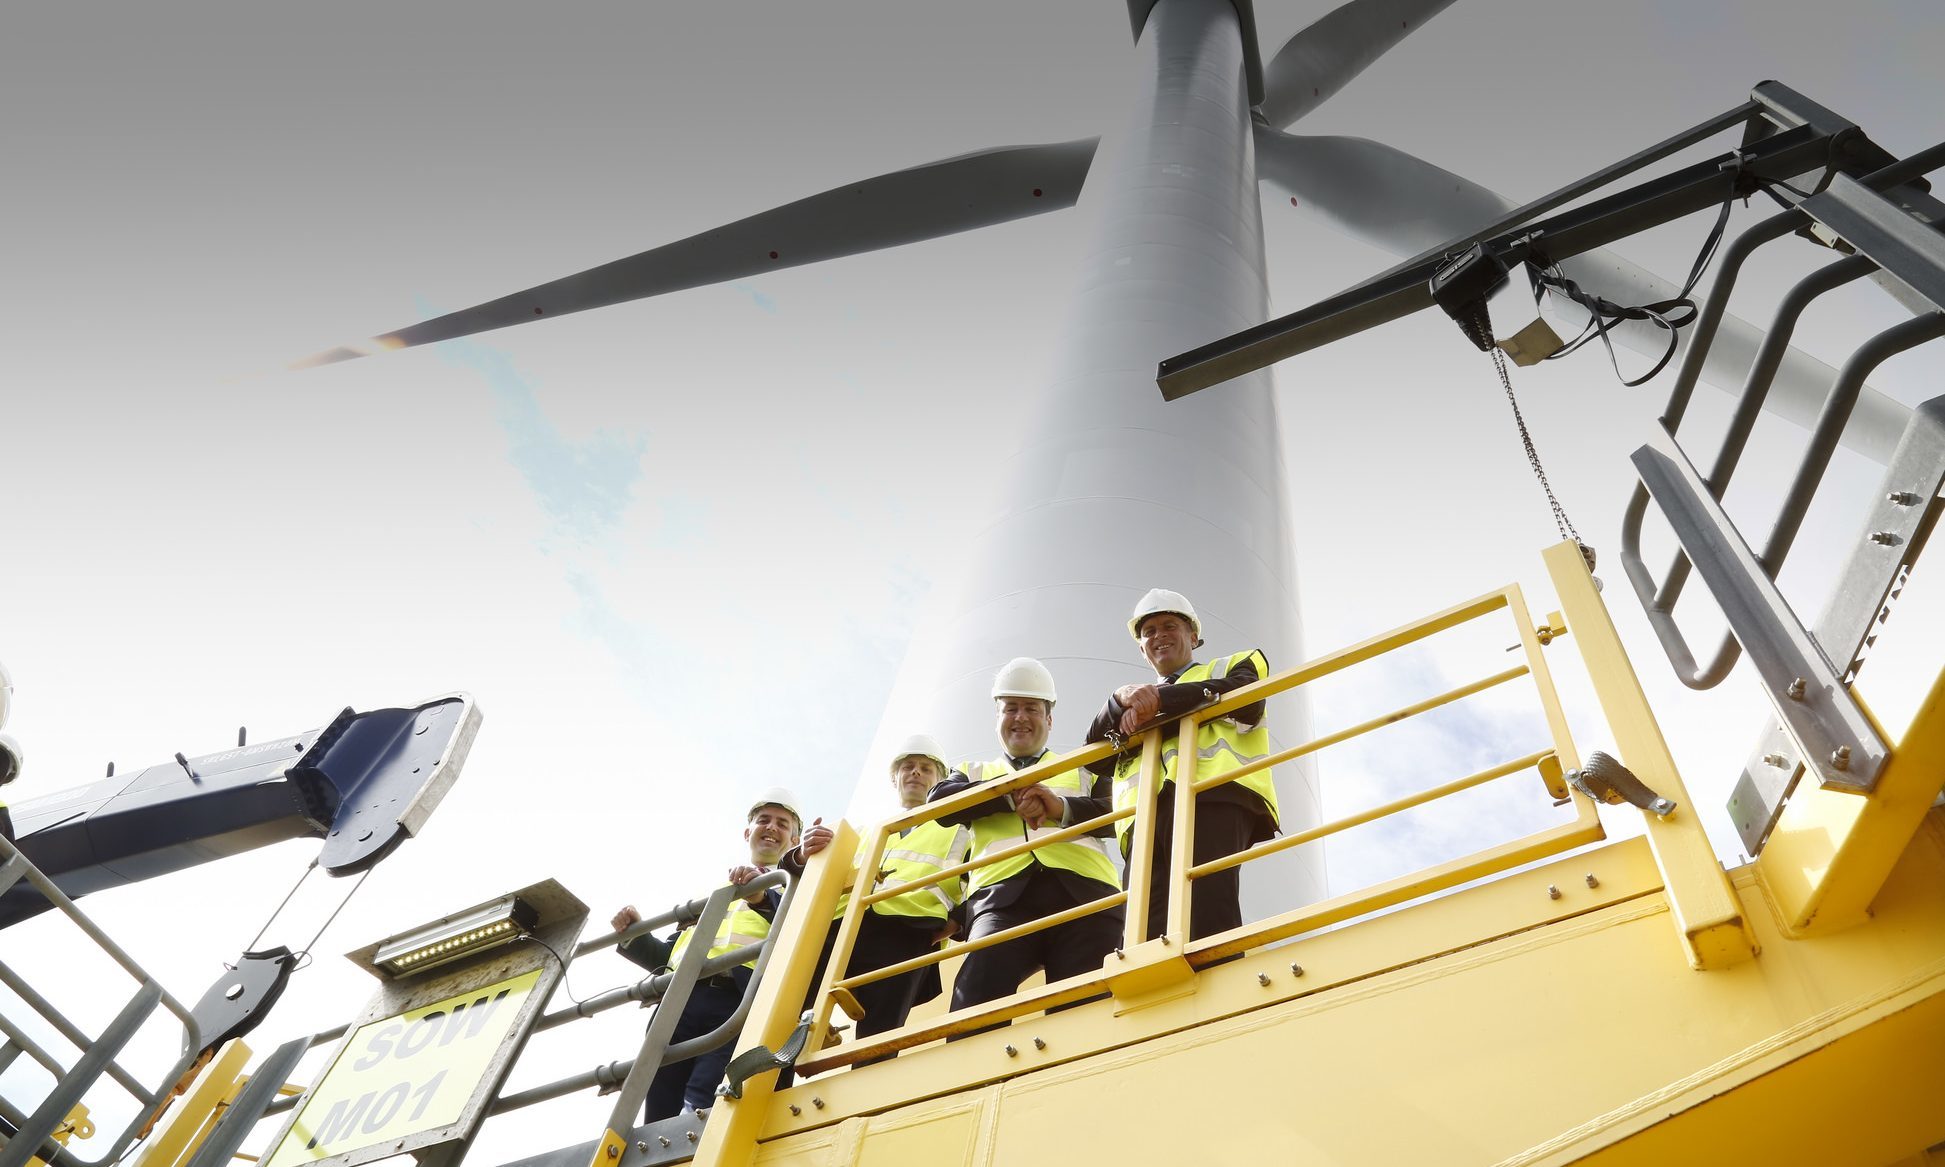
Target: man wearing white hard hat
(772, 832)
(906, 926)
(1229, 817)
(1039, 883)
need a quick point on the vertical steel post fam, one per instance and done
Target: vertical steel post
(1112, 491)
(1703, 902)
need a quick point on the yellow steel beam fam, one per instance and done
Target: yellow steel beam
(734, 1124)
(1831, 851)
(1315, 967)
(847, 936)
(1704, 904)
(215, 1087)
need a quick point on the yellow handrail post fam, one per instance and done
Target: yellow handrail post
(1703, 902)
(847, 932)
(1141, 841)
(1182, 843)
(734, 1124)
(214, 1089)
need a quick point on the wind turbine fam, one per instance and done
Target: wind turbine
(1110, 491)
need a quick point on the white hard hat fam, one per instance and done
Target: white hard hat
(6, 694)
(922, 746)
(777, 796)
(1163, 600)
(1024, 677)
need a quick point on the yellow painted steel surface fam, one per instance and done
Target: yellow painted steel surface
(1497, 1025)
(77, 1124)
(1830, 851)
(1630, 1002)
(199, 1109)
(1706, 909)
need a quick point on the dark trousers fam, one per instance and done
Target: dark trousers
(693, 1081)
(1215, 901)
(1076, 947)
(882, 941)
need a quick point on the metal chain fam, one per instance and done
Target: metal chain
(1483, 328)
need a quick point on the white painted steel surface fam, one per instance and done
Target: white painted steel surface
(1112, 491)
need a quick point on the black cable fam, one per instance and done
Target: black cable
(305, 952)
(1604, 315)
(562, 961)
(252, 946)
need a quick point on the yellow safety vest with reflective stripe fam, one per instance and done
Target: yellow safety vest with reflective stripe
(925, 849)
(1221, 745)
(1084, 856)
(742, 925)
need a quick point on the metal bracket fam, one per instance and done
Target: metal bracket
(1842, 745)
(390, 768)
(1902, 517)
(1605, 779)
(761, 1060)
(237, 1002)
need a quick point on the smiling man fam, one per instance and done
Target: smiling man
(910, 925)
(1228, 818)
(774, 838)
(1040, 883)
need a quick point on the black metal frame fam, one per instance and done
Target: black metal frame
(1868, 204)
(1785, 135)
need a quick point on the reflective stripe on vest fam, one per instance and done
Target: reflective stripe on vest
(1085, 856)
(742, 925)
(1221, 745)
(925, 849)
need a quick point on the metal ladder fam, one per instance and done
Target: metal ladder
(30, 1134)
(1888, 228)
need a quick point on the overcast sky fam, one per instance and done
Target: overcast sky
(676, 548)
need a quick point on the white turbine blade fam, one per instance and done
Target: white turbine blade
(1373, 192)
(905, 206)
(1405, 205)
(1323, 58)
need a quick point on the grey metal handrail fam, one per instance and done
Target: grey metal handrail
(1838, 741)
(34, 1130)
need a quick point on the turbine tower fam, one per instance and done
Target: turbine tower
(1110, 490)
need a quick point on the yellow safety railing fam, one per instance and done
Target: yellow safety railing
(1549, 758)
(1057, 993)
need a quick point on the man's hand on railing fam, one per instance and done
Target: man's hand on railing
(741, 874)
(1038, 805)
(626, 918)
(817, 836)
(1138, 703)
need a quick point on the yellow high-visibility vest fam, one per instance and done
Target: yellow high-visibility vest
(1221, 745)
(1085, 856)
(926, 849)
(742, 925)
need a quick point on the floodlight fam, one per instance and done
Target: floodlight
(443, 941)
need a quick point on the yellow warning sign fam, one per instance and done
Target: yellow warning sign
(404, 1075)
